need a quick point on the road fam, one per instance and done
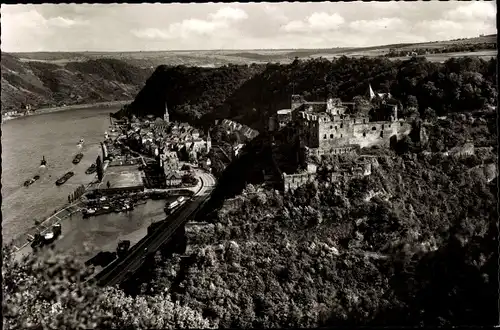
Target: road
(119, 270)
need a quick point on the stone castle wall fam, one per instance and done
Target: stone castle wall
(293, 181)
(363, 134)
(333, 150)
(318, 132)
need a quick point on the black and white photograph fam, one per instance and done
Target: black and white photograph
(258, 165)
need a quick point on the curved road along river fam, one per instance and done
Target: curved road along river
(119, 270)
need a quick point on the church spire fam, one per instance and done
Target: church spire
(209, 141)
(165, 115)
(371, 94)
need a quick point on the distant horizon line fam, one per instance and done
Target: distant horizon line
(240, 49)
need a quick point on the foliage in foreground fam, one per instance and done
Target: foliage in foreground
(47, 291)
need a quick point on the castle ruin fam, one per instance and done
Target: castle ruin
(330, 128)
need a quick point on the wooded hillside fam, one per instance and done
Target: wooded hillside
(250, 94)
(42, 84)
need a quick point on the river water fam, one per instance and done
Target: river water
(55, 136)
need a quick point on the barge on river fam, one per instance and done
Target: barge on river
(77, 158)
(29, 182)
(64, 178)
(91, 169)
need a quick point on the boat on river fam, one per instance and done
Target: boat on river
(64, 178)
(77, 158)
(47, 238)
(29, 182)
(81, 142)
(43, 163)
(91, 169)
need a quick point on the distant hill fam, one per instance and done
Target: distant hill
(215, 58)
(44, 84)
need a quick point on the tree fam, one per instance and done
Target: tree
(429, 114)
(411, 101)
(362, 105)
(404, 145)
(189, 178)
(47, 291)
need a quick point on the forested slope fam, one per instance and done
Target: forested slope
(250, 94)
(415, 243)
(41, 84)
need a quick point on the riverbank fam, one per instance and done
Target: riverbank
(42, 111)
(55, 136)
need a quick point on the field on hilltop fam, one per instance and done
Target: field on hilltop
(215, 58)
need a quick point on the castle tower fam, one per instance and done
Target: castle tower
(329, 105)
(165, 115)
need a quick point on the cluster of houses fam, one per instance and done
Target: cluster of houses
(168, 142)
(244, 130)
(168, 138)
(26, 110)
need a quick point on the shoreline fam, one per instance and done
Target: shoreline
(42, 111)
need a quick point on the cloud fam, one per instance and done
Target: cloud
(229, 13)
(466, 20)
(477, 10)
(65, 22)
(151, 33)
(183, 29)
(446, 29)
(317, 22)
(216, 24)
(377, 25)
(33, 19)
(121, 27)
(275, 13)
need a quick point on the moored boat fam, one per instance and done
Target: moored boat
(47, 238)
(91, 169)
(43, 163)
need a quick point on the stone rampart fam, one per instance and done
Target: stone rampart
(293, 181)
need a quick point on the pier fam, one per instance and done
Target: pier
(58, 216)
(26, 238)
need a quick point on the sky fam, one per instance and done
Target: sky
(149, 27)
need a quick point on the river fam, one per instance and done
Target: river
(55, 136)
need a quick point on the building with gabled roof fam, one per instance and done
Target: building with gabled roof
(173, 179)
